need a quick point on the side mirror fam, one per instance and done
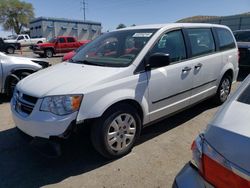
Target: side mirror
(157, 60)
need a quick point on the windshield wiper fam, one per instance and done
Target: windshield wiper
(85, 62)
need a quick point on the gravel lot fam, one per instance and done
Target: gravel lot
(162, 150)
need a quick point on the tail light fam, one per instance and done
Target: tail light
(217, 170)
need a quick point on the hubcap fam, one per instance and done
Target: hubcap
(121, 132)
(225, 89)
(10, 51)
(49, 53)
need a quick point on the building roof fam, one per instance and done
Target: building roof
(63, 20)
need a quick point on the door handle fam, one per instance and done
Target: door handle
(186, 69)
(199, 65)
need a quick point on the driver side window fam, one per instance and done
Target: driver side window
(171, 43)
(20, 38)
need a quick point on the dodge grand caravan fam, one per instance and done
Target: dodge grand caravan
(125, 80)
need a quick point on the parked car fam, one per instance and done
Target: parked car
(25, 40)
(221, 154)
(243, 40)
(125, 80)
(9, 48)
(69, 55)
(13, 69)
(57, 45)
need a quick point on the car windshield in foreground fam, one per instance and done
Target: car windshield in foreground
(245, 95)
(114, 49)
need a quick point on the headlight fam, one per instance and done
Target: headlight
(61, 105)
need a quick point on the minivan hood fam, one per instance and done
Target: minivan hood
(229, 134)
(66, 78)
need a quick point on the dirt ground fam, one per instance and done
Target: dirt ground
(160, 153)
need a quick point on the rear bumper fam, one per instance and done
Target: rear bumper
(190, 177)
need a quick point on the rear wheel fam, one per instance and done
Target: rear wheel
(48, 53)
(114, 134)
(223, 89)
(10, 50)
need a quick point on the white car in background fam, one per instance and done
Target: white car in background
(221, 154)
(13, 69)
(25, 40)
(125, 80)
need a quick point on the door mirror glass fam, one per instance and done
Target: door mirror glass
(157, 60)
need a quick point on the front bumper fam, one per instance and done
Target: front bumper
(42, 124)
(189, 177)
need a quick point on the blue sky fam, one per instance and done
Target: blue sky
(112, 12)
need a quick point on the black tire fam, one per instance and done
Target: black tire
(23, 75)
(41, 55)
(48, 53)
(223, 90)
(10, 50)
(13, 80)
(11, 84)
(103, 125)
(39, 42)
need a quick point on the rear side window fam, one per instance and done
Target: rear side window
(226, 40)
(70, 39)
(242, 36)
(201, 40)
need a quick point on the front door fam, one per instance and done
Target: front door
(170, 86)
(61, 45)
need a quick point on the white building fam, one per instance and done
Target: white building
(52, 27)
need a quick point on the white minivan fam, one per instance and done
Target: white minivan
(125, 80)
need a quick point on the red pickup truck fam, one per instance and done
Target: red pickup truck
(57, 45)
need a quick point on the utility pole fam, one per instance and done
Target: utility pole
(84, 9)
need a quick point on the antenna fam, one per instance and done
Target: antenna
(84, 4)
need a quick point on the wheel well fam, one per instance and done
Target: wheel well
(18, 72)
(131, 102)
(229, 73)
(52, 49)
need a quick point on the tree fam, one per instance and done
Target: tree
(120, 26)
(15, 14)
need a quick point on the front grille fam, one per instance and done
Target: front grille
(24, 103)
(29, 98)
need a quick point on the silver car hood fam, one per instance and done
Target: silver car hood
(229, 133)
(67, 78)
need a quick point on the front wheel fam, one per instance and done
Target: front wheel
(114, 134)
(223, 89)
(48, 53)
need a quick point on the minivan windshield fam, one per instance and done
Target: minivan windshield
(114, 49)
